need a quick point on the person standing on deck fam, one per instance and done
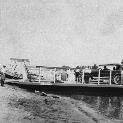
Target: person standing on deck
(77, 73)
(68, 74)
(3, 70)
(64, 75)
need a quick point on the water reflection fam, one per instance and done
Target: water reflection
(111, 107)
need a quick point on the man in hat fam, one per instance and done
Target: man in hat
(3, 70)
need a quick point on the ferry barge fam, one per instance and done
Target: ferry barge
(97, 81)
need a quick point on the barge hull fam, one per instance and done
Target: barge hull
(88, 89)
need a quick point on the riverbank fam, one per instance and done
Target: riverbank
(20, 106)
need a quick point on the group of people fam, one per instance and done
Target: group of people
(78, 74)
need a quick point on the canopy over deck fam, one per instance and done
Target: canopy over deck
(112, 64)
(19, 60)
(54, 67)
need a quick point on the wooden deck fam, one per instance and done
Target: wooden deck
(48, 82)
(103, 89)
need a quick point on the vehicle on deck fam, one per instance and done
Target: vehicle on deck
(14, 69)
(106, 72)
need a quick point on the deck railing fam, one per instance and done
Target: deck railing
(55, 76)
(99, 77)
(110, 77)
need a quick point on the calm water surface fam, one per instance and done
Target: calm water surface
(110, 106)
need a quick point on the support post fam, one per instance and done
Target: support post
(83, 76)
(99, 77)
(54, 75)
(39, 74)
(110, 78)
(122, 76)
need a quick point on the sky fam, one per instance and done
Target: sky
(61, 32)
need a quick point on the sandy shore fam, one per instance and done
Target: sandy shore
(19, 106)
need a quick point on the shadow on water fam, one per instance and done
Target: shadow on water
(110, 106)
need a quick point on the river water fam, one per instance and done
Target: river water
(110, 106)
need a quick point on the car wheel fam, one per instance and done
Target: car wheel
(117, 79)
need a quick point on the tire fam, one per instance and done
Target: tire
(117, 79)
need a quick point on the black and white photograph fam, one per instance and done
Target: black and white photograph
(61, 61)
